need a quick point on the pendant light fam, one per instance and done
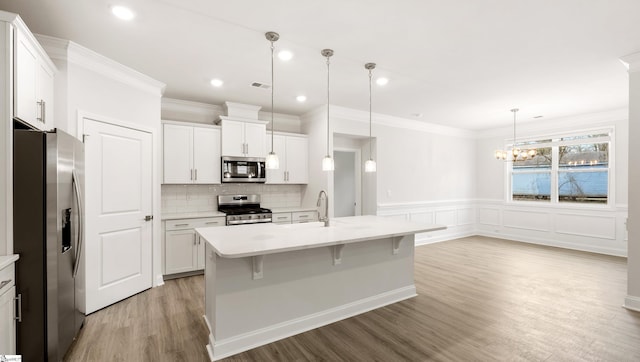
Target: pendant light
(370, 165)
(515, 154)
(327, 161)
(272, 162)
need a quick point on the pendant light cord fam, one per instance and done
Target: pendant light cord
(272, 85)
(370, 146)
(514, 127)
(328, 62)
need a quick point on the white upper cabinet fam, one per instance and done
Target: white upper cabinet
(191, 154)
(34, 77)
(293, 154)
(206, 155)
(243, 139)
(297, 160)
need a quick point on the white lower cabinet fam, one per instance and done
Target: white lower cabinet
(294, 217)
(183, 248)
(7, 311)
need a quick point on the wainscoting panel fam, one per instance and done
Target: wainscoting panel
(598, 230)
(466, 216)
(603, 227)
(489, 216)
(458, 216)
(446, 217)
(526, 219)
(422, 217)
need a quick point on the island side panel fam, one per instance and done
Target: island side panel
(210, 292)
(303, 289)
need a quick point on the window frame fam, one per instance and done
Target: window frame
(555, 169)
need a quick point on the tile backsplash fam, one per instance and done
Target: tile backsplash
(203, 198)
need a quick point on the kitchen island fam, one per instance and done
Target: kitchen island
(265, 282)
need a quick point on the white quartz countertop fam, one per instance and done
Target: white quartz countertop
(6, 260)
(276, 210)
(261, 239)
(192, 215)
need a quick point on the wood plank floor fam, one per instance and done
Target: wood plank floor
(480, 299)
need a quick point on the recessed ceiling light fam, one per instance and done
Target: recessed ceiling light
(216, 82)
(417, 115)
(301, 98)
(538, 116)
(285, 55)
(122, 12)
(382, 81)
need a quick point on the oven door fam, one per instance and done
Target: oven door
(243, 169)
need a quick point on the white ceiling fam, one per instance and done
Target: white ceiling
(461, 63)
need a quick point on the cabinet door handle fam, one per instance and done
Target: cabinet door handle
(191, 174)
(196, 172)
(18, 300)
(303, 216)
(44, 111)
(39, 103)
(247, 148)
(281, 217)
(181, 225)
(212, 223)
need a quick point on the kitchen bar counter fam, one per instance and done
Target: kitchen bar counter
(6, 260)
(251, 240)
(265, 282)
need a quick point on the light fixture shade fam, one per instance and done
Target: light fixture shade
(327, 163)
(370, 166)
(272, 162)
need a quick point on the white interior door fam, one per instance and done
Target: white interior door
(118, 168)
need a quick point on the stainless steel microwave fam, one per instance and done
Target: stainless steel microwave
(243, 169)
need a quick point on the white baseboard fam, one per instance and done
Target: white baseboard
(159, 280)
(632, 303)
(230, 346)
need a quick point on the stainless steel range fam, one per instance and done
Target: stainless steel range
(243, 209)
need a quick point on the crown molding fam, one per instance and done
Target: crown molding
(71, 52)
(398, 122)
(632, 62)
(22, 27)
(189, 107)
(354, 115)
(561, 124)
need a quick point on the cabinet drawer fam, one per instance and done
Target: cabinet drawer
(7, 278)
(306, 216)
(281, 218)
(182, 224)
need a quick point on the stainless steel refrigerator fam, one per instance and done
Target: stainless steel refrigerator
(48, 235)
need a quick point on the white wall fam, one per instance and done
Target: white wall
(592, 228)
(425, 167)
(632, 301)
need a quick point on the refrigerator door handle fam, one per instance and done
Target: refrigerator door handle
(18, 316)
(76, 192)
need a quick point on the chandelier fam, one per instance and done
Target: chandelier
(515, 153)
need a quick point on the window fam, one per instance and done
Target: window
(565, 170)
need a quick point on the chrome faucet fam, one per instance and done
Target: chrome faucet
(326, 207)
